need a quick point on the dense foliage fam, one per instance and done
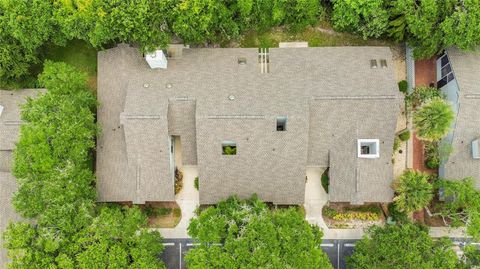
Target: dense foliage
(433, 120)
(413, 191)
(246, 234)
(462, 204)
(53, 166)
(52, 158)
(401, 247)
(110, 240)
(366, 17)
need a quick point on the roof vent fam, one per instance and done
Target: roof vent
(373, 63)
(168, 85)
(242, 61)
(1, 110)
(231, 97)
(383, 63)
(146, 85)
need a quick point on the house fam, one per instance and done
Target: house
(458, 75)
(251, 120)
(10, 122)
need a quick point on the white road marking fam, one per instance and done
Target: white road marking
(192, 244)
(169, 244)
(348, 245)
(338, 256)
(475, 244)
(180, 264)
(329, 245)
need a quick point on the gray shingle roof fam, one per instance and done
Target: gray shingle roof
(466, 67)
(191, 99)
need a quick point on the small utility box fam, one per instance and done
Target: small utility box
(156, 59)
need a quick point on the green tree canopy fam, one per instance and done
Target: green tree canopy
(198, 21)
(53, 165)
(402, 247)
(366, 17)
(414, 191)
(463, 204)
(115, 238)
(53, 155)
(433, 120)
(430, 26)
(246, 234)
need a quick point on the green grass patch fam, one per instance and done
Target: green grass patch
(315, 37)
(77, 53)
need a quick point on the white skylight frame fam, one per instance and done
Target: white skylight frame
(370, 142)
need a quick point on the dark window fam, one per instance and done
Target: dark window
(281, 123)
(229, 148)
(446, 69)
(442, 82)
(450, 77)
(365, 150)
(444, 61)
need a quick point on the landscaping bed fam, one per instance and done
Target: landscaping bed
(347, 216)
(162, 215)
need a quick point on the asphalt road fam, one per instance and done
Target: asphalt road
(337, 251)
(175, 250)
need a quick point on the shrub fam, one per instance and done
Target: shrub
(195, 183)
(404, 136)
(403, 86)
(329, 212)
(356, 216)
(414, 191)
(433, 120)
(325, 180)
(396, 215)
(178, 180)
(396, 144)
(421, 95)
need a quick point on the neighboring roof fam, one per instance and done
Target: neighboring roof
(10, 117)
(7, 214)
(148, 103)
(466, 67)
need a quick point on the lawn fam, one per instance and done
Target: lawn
(78, 54)
(315, 36)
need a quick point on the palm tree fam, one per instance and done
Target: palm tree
(433, 120)
(413, 190)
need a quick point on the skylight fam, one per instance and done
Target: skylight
(368, 148)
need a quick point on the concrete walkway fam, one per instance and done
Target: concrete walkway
(315, 198)
(188, 200)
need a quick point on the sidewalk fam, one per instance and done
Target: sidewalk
(188, 200)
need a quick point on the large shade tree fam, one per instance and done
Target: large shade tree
(433, 119)
(115, 238)
(407, 246)
(431, 25)
(53, 166)
(53, 155)
(247, 234)
(462, 205)
(413, 191)
(369, 18)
